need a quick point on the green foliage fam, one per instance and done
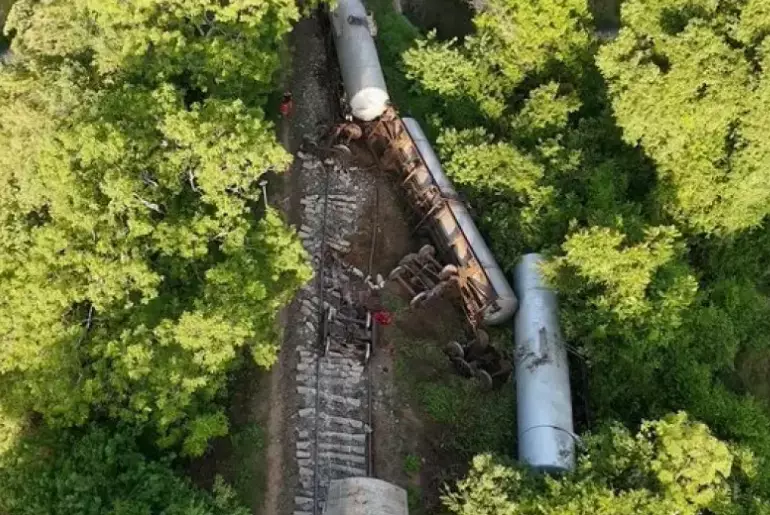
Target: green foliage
(135, 258)
(685, 85)
(11, 428)
(412, 464)
(462, 81)
(624, 273)
(545, 114)
(250, 474)
(221, 49)
(636, 313)
(467, 422)
(501, 51)
(414, 500)
(474, 82)
(98, 471)
(639, 166)
(672, 465)
(556, 32)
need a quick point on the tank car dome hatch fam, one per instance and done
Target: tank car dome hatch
(504, 305)
(365, 496)
(362, 76)
(544, 402)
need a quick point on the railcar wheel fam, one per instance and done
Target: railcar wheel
(447, 272)
(343, 149)
(427, 251)
(454, 350)
(462, 367)
(484, 379)
(419, 299)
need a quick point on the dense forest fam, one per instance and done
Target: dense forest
(641, 167)
(139, 267)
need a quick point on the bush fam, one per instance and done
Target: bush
(100, 471)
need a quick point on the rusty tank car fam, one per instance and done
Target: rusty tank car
(403, 149)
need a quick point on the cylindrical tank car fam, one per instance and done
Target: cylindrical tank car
(362, 76)
(459, 232)
(402, 148)
(365, 496)
(544, 403)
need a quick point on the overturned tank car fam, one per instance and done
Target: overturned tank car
(543, 397)
(402, 147)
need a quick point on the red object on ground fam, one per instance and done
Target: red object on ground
(287, 105)
(383, 317)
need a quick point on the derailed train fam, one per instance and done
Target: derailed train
(546, 440)
(401, 146)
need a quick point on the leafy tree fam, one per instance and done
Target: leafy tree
(672, 465)
(654, 340)
(525, 129)
(601, 259)
(508, 188)
(96, 471)
(641, 172)
(135, 257)
(687, 84)
(514, 41)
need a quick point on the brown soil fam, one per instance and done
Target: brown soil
(399, 430)
(401, 427)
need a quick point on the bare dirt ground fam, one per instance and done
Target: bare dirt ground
(405, 431)
(396, 430)
(406, 445)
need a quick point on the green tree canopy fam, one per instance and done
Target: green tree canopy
(135, 258)
(525, 128)
(100, 472)
(689, 82)
(638, 165)
(672, 465)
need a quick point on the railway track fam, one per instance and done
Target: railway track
(332, 383)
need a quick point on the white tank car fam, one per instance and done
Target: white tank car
(543, 399)
(362, 75)
(365, 496)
